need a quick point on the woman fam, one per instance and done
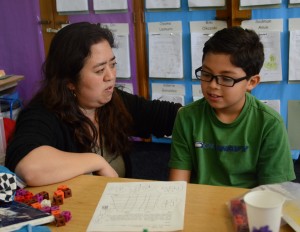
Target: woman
(78, 122)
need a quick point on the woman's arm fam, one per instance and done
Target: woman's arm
(150, 117)
(47, 165)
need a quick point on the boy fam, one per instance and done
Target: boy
(229, 137)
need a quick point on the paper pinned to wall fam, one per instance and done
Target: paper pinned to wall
(274, 104)
(135, 206)
(121, 51)
(271, 70)
(165, 50)
(200, 32)
(110, 5)
(259, 2)
(197, 92)
(127, 87)
(294, 56)
(168, 92)
(197, 43)
(206, 3)
(294, 49)
(269, 31)
(162, 4)
(72, 6)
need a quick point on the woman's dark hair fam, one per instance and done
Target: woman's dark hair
(244, 47)
(67, 55)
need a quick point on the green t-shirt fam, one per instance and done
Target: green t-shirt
(248, 152)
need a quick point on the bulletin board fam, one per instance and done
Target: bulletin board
(282, 90)
(174, 20)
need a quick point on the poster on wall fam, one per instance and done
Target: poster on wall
(121, 51)
(165, 50)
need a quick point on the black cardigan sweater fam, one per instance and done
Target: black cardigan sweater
(36, 126)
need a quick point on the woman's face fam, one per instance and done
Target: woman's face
(97, 77)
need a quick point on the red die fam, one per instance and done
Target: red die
(45, 195)
(58, 200)
(59, 193)
(67, 192)
(59, 220)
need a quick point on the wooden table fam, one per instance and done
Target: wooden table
(205, 205)
(10, 82)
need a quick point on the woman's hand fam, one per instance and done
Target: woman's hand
(106, 170)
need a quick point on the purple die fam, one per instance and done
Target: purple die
(67, 215)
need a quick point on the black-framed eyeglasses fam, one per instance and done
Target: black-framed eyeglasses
(220, 79)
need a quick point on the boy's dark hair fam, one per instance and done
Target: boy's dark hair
(243, 45)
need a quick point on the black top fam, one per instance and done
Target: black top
(36, 126)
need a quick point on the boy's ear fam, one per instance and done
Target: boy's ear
(253, 82)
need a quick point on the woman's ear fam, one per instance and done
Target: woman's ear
(71, 86)
(253, 82)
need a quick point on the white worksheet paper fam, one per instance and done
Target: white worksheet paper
(121, 49)
(72, 5)
(294, 56)
(165, 55)
(161, 4)
(135, 206)
(127, 87)
(168, 92)
(102, 5)
(122, 54)
(274, 104)
(197, 92)
(271, 70)
(206, 3)
(197, 43)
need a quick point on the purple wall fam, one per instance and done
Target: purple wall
(21, 41)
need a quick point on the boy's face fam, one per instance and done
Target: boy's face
(227, 101)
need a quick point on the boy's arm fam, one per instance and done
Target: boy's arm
(180, 162)
(177, 174)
